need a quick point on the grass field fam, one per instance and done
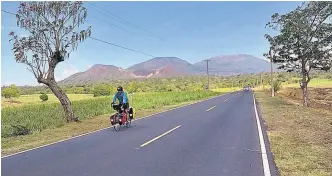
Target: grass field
(34, 99)
(315, 83)
(300, 137)
(34, 118)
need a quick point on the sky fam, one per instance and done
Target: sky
(192, 31)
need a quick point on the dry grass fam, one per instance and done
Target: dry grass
(20, 143)
(34, 99)
(300, 137)
(315, 83)
(224, 90)
(318, 97)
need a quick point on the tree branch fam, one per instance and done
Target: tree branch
(318, 26)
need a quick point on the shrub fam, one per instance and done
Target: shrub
(43, 97)
(277, 85)
(11, 92)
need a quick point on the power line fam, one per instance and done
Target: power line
(120, 28)
(8, 12)
(126, 21)
(121, 47)
(113, 44)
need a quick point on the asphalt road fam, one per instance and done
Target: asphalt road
(216, 137)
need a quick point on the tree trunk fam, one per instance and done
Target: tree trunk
(272, 84)
(64, 100)
(305, 94)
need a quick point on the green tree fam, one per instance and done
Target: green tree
(52, 38)
(132, 87)
(11, 92)
(43, 97)
(304, 40)
(101, 90)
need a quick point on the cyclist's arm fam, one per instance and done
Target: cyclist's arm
(114, 98)
(125, 98)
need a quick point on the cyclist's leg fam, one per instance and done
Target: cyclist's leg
(127, 110)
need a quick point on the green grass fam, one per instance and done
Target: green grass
(314, 83)
(300, 137)
(37, 117)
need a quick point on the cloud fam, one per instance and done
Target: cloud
(67, 72)
(89, 66)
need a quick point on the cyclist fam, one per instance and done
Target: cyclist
(123, 99)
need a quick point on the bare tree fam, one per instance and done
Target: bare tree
(51, 26)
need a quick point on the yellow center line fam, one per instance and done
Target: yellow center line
(210, 108)
(169, 131)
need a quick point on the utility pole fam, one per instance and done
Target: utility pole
(207, 72)
(272, 87)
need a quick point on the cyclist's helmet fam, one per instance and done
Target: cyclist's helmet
(120, 89)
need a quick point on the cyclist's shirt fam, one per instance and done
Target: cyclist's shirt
(122, 97)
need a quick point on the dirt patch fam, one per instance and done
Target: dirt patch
(6, 103)
(318, 97)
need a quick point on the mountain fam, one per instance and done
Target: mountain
(161, 67)
(98, 73)
(235, 64)
(178, 65)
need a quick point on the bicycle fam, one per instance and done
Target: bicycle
(120, 117)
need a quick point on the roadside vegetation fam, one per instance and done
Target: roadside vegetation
(299, 118)
(300, 137)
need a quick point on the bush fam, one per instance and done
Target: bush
(43, 97)
(277, 85)
(20, 130)
(11, 92)
(101, 90)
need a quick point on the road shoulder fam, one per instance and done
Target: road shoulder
(272, 164)
(299, 137)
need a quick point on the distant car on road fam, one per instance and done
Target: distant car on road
(246, 89)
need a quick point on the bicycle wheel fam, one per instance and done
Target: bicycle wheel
(117, 127)
(128, 123)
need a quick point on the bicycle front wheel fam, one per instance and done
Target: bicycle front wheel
(117, 127)
(128, 123)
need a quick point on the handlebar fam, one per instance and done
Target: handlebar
(117, 107)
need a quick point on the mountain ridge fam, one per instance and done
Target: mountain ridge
(162, 67)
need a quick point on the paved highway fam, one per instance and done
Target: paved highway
(216, 137)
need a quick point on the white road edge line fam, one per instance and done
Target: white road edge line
(266, 166)
(63, 140)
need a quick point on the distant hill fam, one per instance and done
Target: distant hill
(98, 73)
(172, 63)
(171, 67)
(235, 64)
